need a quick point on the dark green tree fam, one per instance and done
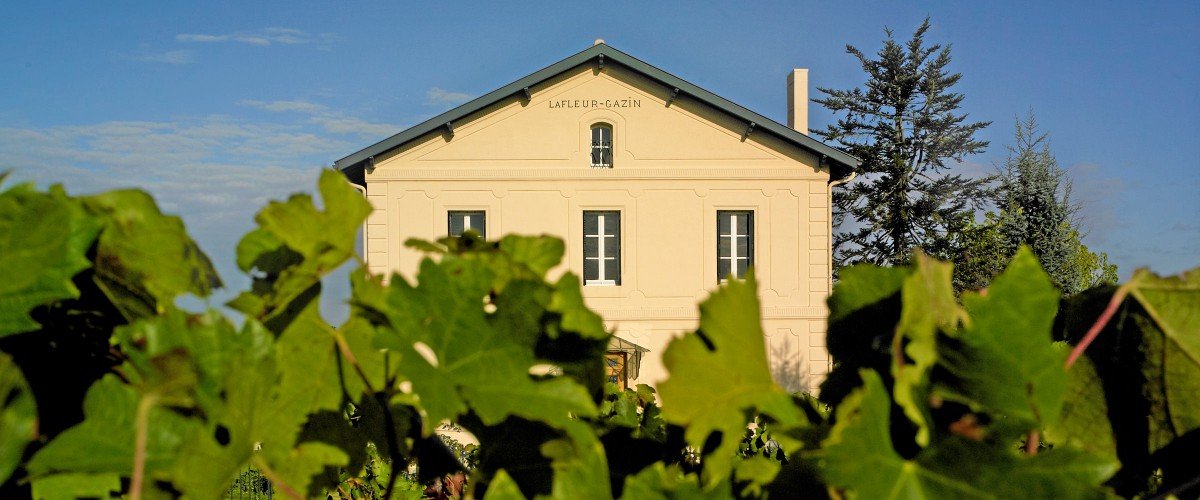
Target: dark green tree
(1036, 209)
(905, 125)
(1035, 205)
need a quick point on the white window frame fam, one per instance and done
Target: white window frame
(466, 214)
(601, 258)
(600, 146)
(733, 235)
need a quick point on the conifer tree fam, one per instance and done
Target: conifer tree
(1035, 209)
(905, 125)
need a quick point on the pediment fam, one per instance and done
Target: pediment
(552, 130)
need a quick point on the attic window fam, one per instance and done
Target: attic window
(602, 146)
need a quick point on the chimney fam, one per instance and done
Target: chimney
(797, 92)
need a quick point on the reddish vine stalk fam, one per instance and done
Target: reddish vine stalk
(1113, 304)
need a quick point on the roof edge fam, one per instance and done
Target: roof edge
(842, 162)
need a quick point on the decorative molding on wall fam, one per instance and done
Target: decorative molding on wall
(691, 313)
(670, 173)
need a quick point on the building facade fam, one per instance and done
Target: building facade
(659, 188)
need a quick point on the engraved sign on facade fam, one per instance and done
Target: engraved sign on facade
(595, 103)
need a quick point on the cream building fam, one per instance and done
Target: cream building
(659, 188)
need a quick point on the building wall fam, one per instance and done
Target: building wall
(526, 164)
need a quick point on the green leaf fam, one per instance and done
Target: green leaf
(859, 457)
(1083, 422)
(1173, 302)
(928, 307)
(863, 285)
(1004, 361)
(669, 483)
(579, 463)
(18, 416)
(455, 357)
(145, 259)
(864, 309)
(296, 245)
(72, 486)
(104, 441)
(44, 239)
(1174, 305)
(567, 301)
(539, 254)
(209, 340)
(502, 487)
(755, 472)
(724, 361)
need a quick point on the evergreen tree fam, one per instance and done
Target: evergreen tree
(905, 125)
(1034, 208)
(1034, 200)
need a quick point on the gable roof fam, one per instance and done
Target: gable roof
(841, 164)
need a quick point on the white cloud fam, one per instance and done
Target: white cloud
(262, 38)
(1096, 192)
(356, 126)
(282, 106)
(178, 57)
(438, 97)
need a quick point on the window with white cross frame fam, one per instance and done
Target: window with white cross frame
(601, 247)
(462, 220)
(735, 243)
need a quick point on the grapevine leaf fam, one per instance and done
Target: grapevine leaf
(258, 420)
(66, 486)
(211, 342)
(455, 357)
(502, 487)
(863, 311)
(1083, 422)
(861, 286)
(567, 301)
(104, 441)
(18, 416)
(1174, 305)
(144, 258)
(296, 245)
(302, 463)
(1004, 360)
(44, 238)
(662, 482)
(538, 254)
(928, 306)
(755, 472)
(859, 457)
(725, 360)
(580, 467)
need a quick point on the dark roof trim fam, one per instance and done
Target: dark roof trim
(843, 163)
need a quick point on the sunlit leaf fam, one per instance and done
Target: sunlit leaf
(725, 361)
(1004, 360)
(18, 416)
(44, 238)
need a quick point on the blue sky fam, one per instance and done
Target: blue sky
(217, 108)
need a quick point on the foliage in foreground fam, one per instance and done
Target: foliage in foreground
(109, 388)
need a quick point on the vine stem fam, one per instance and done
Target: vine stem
(1113, 304)
(141, 432)
(344, 349)
(393, 442)
(275, 479)
(1031, 442)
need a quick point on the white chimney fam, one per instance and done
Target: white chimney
(797, 92)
